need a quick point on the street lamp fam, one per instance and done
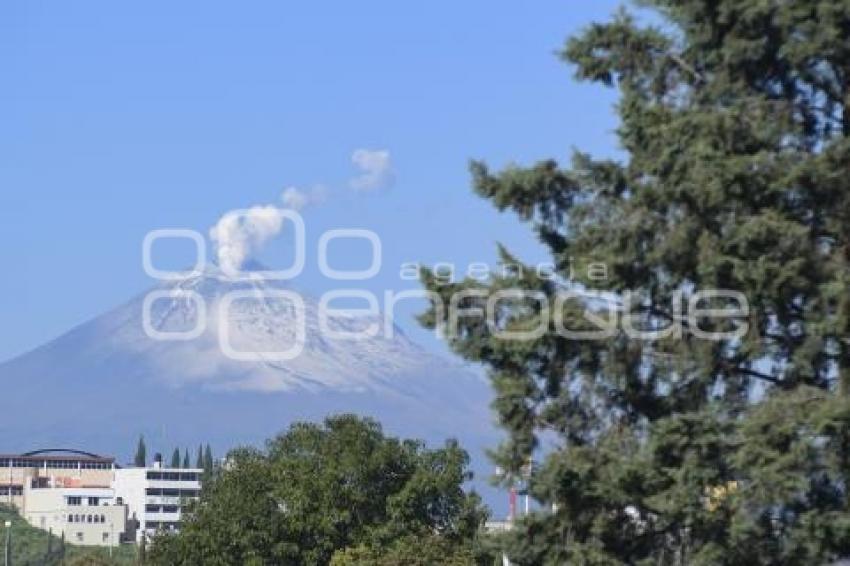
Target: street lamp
(8, 552)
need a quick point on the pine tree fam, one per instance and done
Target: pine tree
(686, 446)
(141, 458)
(175, 458)
(186, 463)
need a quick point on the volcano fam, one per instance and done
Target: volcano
(110, 379)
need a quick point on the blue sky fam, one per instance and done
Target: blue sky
(120, 118)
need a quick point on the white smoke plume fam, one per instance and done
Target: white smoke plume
(241, 233)
(297, 199)
(294, 198)
(376, 170)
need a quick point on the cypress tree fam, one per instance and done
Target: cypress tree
(186, 463)
(683, 437)
(208, 460)
(199, 462)
(175, 458)
(141, 454)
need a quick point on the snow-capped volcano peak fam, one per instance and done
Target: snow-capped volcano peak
(269, 335)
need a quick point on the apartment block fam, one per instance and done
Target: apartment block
(156, 497)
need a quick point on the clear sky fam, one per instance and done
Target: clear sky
(118, 118)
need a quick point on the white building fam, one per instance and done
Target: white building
(92, 500)
(155, 497)
(88, 516)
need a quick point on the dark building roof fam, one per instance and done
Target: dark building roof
(53, 454)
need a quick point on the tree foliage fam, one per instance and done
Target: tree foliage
(319, 489)
(209, 463)
(412, 551)
(141, 457)
(675, 448)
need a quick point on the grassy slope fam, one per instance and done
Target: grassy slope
(29, 545)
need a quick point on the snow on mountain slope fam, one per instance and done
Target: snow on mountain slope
(104, 382)
(261, 323)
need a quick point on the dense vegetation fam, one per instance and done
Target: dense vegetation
(340, 492)
(674, 448)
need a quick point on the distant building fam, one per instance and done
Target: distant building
(92, 500)
(87, 516)
(492, 526)
(51, 468)
(156, 497)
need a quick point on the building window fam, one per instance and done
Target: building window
(88, 519)
(103, 518)
(93, 501)
(105, 537)
(79, 537)
(72, 500)
(70, 518)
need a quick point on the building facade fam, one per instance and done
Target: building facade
(87, 516)
(92, 500)
(156, 497)
(54, 468)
